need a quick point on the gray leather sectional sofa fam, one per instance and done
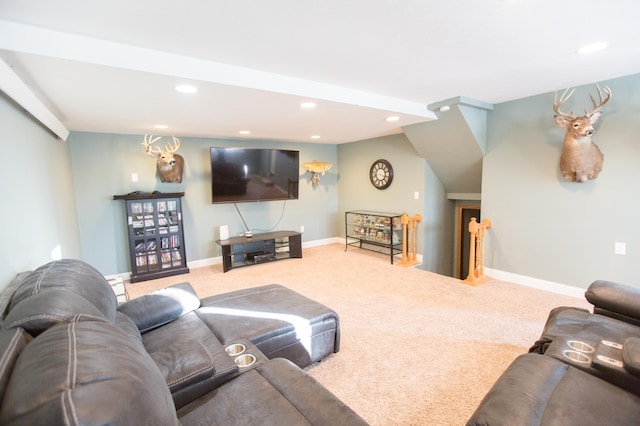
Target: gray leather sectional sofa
(584, 370)
(70, 355)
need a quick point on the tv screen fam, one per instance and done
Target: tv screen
(254, 174)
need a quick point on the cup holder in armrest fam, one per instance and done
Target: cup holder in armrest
(580, 346)
(245, 355)
(235, 349)
(245, 360)
(576, 356)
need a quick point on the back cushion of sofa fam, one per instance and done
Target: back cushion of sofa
(86, 373)
(48, 308)
(73, 275)
(12, 343)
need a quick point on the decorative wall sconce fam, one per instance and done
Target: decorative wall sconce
(317, 168)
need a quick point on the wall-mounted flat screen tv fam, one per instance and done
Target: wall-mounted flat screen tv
(254, 174)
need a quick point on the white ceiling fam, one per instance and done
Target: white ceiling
(112, 66)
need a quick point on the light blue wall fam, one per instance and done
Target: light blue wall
(102, 167)
(59, 194)
(38, 212)
(411, 174)
(546, 227)
(438, 225)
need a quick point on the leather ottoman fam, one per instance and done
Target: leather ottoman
(279, 321)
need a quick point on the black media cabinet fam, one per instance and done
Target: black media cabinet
(266, 247)
(156, 235)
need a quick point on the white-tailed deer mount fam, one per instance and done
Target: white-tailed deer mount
(581, 158)
(169, 164)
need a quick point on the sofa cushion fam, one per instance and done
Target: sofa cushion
(576, 322)
(47, 308)
(73, 275)
(181, 333)
(184, 364)
(127, 325)
(86, 373)
(275, 393)
(12, 343)
(161, 307)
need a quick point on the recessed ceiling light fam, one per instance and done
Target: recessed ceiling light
(185, 88)
(245, 132)
(392, 118)
(445, 108)
(308, 105)
(315, 137)
(592, 48)
(161, 126)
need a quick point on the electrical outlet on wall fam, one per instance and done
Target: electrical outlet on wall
(301, 228)
(134, 177)
(620, 248)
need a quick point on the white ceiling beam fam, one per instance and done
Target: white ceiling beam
(40, 41)
(15, 88)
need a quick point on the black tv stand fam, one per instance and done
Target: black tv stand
(260, 248)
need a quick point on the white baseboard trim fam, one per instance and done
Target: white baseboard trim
(323, 242)
(126, 276)
(567, 290)
(201, 263)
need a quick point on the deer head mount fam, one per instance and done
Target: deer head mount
(169, 164)
(581, 158)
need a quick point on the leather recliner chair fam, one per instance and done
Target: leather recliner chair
(584, 369)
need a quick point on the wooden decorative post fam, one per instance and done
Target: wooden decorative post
(476, 251)
(410, 243)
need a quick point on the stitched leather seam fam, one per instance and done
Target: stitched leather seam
(63, 404)
(34, 317)
(270, 290)
(37, 287)
(72, 369)
(234, 368)
(75, 318)
(10, 348)
(187, 377)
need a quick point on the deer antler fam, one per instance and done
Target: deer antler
(602, 103)
(152, 151)
(175, 147)
(563, 99)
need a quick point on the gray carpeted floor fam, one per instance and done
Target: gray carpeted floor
(417, 348)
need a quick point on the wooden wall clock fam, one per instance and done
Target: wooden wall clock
(381, 174)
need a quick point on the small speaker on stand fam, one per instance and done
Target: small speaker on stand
(224, 232)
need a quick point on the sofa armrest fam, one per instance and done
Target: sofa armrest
(615, 300)
(631, 355)
(184, 364)
(161, 307)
